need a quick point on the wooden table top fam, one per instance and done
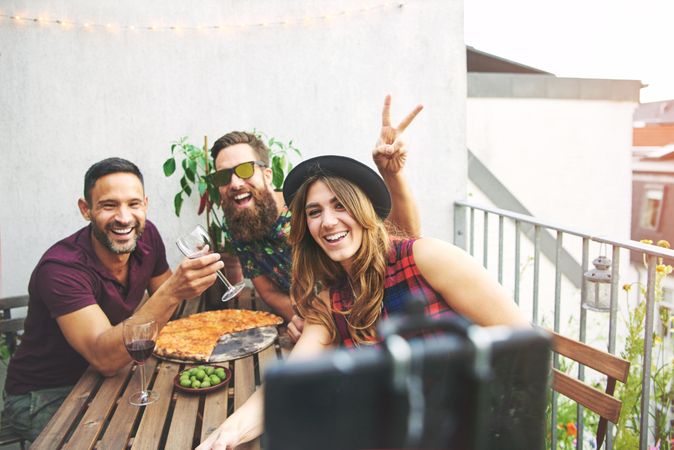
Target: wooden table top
(97, 414)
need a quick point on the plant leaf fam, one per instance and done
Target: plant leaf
(169, 167)
(186, 186)
(277, 175)
(193, 163)
(214, 194)
(177, 203)
(202, 185)
(190, 174)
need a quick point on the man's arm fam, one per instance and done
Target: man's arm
(157, 281)
(281, 303)
(390, 155)
(278, 300)
(91, 334)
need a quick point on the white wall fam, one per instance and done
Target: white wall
(71, 96)
(568, 161)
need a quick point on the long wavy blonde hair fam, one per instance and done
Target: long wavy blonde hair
(312, 267)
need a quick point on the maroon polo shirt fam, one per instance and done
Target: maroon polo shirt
(70, 277)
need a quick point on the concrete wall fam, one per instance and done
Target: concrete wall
(568, 161)
(71, 96)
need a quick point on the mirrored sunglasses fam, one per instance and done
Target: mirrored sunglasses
(244, 171)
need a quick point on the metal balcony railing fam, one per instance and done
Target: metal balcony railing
(548, 238)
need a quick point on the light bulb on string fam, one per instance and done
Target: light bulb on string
(309, 19)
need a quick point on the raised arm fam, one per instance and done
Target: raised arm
(390, 155)
(90, 333)
(465, 285)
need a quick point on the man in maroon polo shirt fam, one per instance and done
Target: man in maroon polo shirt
(85, 286)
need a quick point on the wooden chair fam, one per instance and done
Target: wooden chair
(603, 403)
(9, 325)
(10, 328)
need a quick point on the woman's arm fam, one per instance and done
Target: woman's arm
(465, 285)
(247, 422)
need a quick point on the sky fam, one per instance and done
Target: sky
(619, 39)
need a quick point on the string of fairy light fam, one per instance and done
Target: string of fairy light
(304, 20)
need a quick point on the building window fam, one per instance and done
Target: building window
(651, 209)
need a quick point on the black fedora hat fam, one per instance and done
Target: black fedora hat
(341, 166)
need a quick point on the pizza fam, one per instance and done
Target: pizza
(193, 338)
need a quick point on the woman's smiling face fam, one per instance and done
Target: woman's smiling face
(331, 226)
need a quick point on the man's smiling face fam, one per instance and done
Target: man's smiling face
(118, 211)
(240, 193)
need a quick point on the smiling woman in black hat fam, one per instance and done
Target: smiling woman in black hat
(348, 272)
(339, 242)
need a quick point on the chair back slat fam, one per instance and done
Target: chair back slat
(11, 325)
(16, 301)
(593, 399)
(603, 362)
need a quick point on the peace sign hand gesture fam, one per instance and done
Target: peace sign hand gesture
(390, 152)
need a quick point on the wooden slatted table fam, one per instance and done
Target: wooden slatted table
(97, 413)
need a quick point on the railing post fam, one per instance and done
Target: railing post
(582, 336)
(485, 240)
(537, 269)
(612, 323)
(500, 249)
(557, 313)
(472, 231)
(460, 226)
(518, 235)
(648, 343)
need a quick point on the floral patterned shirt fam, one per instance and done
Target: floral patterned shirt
(270, 256)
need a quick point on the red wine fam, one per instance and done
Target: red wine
(141, 349)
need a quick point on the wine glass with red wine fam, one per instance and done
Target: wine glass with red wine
(140, 335)
(198, 243)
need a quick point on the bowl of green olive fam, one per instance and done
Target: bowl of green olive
(202, 379)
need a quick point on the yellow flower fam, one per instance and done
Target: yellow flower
(663, 243)
(661, 268)
(627, 287)
(646, 241)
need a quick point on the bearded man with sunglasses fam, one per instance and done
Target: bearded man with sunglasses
(258, 221)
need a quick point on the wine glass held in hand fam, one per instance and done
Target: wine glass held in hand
(139, 337)
(198, 243)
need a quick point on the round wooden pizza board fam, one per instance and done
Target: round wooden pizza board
(243, 343)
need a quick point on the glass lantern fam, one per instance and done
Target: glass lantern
(598, 283)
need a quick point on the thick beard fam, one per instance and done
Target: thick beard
(103, 238)
(251, 224)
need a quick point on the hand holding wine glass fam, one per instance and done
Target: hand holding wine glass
(140, 335)
(198, 243)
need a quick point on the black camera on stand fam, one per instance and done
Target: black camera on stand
(433, 383)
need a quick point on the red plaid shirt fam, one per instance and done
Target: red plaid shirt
(403, 282)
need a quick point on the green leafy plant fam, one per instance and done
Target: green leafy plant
(195, 164)
(281, 158)
(4, 350)
(662, 369)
